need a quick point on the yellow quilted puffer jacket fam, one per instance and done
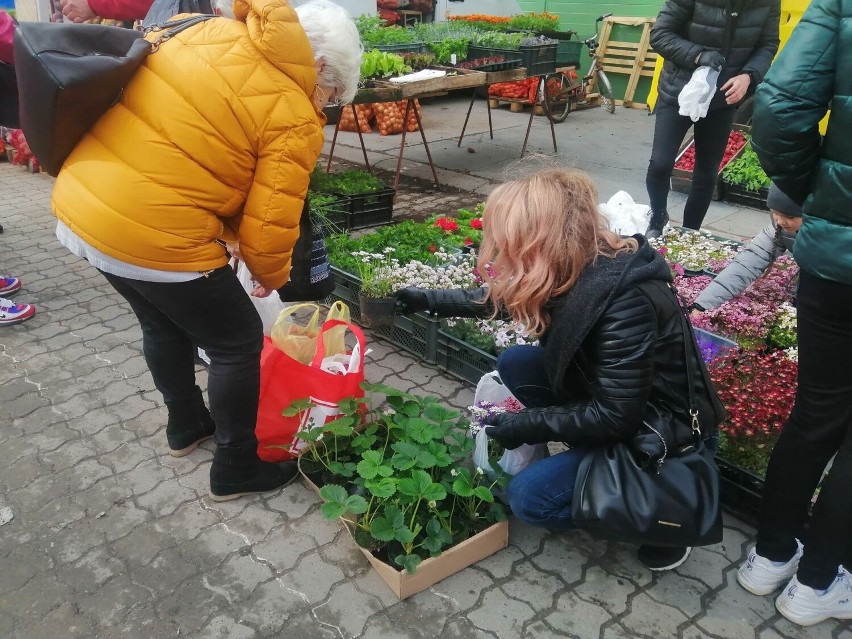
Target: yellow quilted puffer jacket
(214, 138)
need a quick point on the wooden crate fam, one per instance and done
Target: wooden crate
(634, 59)
(516, 105)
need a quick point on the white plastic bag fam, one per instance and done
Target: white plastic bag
(694, 98)
(492, 390)
(625, 216)
(267, 307)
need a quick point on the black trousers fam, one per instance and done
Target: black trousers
(711, 138)
(819, 426)
(212, 312)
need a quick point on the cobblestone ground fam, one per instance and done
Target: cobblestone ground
(111, 537)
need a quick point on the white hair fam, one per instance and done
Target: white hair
(334, 38)
(225, 8)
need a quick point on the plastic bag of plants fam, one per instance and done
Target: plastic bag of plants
(365, 115)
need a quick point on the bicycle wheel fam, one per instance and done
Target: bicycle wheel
(556, 97)
(605, 89)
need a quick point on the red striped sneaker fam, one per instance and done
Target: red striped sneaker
(11, 313)
(9, 285)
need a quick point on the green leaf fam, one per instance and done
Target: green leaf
(411, 408)
(297, 407)
(422, 431)
(439, 413)
(440, 453)
(483, 493)
(463, 485)
(437, 538)
(405, 455)
(371, 465)
(342, 469)
(339, 502)
(409, 562)
(382, 529)
(381, 488)
(416, 484)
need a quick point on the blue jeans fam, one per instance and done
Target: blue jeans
(540, 494)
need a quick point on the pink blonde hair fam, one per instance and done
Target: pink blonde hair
(539, 233)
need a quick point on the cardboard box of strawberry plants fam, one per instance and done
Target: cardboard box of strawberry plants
(682, 173)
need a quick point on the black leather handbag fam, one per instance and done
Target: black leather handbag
(311, 278)
(70, 74)
(661, 488)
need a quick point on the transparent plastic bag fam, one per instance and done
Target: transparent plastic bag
(299, 341)
(625, 216)
(695, 97)
(492, 390)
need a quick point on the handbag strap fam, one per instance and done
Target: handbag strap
(329, 324)
(170, 29)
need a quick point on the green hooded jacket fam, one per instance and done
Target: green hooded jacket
(812, 74)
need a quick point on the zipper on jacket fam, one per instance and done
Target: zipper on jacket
(733, 14)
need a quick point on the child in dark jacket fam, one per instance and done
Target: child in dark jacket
(753, 261)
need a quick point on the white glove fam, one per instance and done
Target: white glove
(695, 97)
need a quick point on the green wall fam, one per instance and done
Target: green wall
(580, 16)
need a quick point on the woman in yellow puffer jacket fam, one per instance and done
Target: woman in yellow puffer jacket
(213, 141)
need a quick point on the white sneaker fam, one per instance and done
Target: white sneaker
(802, 605)
(760, 576)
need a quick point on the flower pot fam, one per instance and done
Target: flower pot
(376, 311)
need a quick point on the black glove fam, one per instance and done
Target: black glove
(410, 300)
(504, 430)
(712, 59)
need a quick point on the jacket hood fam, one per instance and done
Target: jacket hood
(574, 314)
(274, 29)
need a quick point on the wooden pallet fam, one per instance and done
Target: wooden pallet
(634, 59)
(516, 105)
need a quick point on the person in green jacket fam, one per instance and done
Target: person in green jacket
(812, 74)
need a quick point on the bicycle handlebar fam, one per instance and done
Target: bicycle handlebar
(603, 17)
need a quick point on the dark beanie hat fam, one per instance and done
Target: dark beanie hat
(777, 200)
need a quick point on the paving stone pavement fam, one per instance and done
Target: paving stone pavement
(111, 537)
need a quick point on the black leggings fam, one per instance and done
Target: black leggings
(711, 138)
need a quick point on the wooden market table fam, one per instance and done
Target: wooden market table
(507, 76)
(411, 91)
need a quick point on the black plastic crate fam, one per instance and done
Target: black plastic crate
(463, 360)
(568, 53)
(539, 59)
(741, 491)
(500, 66)
(369, 209)
(408, 47)
(735, 194)
(474, 51)
(416, 334)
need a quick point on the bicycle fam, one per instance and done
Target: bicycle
(561, 91)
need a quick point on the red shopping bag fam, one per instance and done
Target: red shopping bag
(284, 380)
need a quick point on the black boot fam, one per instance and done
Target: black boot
(236, 472)
(655, 227)
(189, 425)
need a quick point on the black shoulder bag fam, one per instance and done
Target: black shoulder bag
(655, 489)
(70, 74)
(311, 279)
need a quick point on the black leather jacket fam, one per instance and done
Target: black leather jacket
(629, 367)
(744, 31)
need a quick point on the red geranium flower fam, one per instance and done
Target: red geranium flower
(447, 224)
(468, 241)
(476, 223)
(433, 248)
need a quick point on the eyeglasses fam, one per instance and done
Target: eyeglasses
(333, 99)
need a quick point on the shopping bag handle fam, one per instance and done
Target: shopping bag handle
(329, 324)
